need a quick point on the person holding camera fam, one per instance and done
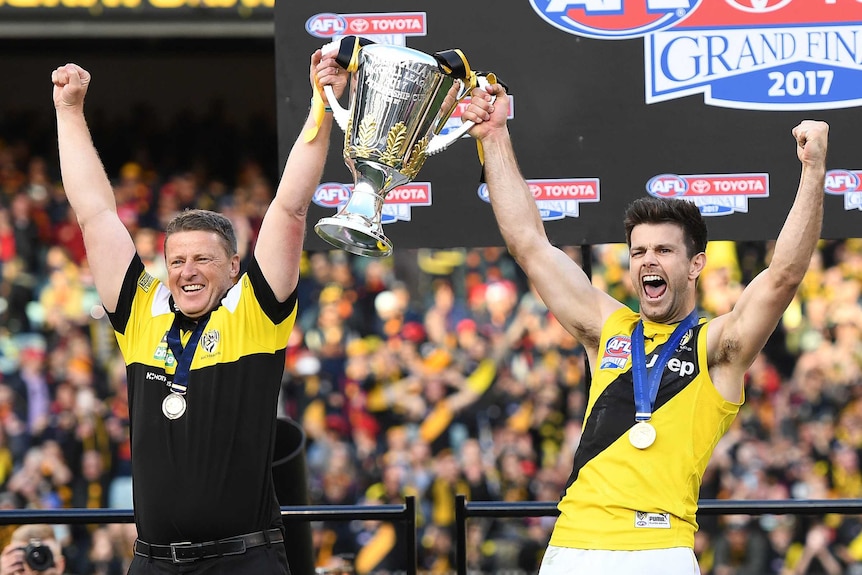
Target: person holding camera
(33, 549)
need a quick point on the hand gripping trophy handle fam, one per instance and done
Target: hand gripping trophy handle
(400, 101)
(438, 143)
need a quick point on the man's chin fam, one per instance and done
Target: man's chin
(191, 311)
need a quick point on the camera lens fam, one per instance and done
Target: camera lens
(38, 556)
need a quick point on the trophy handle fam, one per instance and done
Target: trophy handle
(440, 143)
(346, 51)
(339, 114)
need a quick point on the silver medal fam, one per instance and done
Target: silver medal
(642, 435)
(174, 406)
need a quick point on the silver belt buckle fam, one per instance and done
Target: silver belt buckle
(184, 545)
(241, 551)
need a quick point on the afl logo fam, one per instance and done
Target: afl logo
(616, 19)
(841, 182)
(331, 195)
(667, 186)
(325, 25)
(758, 6)
(619, 346)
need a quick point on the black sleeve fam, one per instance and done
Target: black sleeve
(275, 310)
(120, 317)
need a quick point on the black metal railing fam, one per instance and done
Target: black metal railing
(464, 510)
(509, 509)
(405, 514)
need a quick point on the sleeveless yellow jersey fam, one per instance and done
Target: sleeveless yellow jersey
(623, 498)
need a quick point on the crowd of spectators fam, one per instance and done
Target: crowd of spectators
(431, 373)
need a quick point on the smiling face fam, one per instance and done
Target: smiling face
(200, 271)
(662, 273)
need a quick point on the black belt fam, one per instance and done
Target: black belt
(186, 552)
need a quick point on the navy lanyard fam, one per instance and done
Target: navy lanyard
(646, 385)
(184, 356)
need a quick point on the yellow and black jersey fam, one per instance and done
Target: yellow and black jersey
(206, 475)
(623, 498)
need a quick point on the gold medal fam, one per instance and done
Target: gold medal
(642, 435)
(174, 406)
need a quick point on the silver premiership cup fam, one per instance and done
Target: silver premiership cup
(398, 104)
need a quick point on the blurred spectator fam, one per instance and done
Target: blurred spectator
(26, 232)
(742, 549)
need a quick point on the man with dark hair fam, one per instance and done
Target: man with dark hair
(204, 352)
(666, 385)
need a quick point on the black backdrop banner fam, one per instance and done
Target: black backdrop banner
(673, 98)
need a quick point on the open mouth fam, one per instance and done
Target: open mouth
(192, 288)
(654, 286)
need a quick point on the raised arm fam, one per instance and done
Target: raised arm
(109, 246)
(562, 284)
(279, 245)
(735, 339)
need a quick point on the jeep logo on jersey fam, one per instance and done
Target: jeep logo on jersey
(674, 364)
(614, 19)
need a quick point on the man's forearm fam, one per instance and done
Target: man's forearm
(84, 179)
(801, 230)
(513, 204)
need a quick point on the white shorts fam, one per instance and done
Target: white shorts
(566, 561)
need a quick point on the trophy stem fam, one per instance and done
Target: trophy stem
(357, 228)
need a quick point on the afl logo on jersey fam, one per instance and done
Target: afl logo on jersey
(617, 352)
(614, 19)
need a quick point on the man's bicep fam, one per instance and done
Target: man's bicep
(743, 332)
(110, 249)
(569, 293)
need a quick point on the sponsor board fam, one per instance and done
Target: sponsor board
(398, 205)
(714, 194)
(745, 54)
(383, 28)
(613, 19)
(557, 198)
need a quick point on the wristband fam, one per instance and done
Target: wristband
(326, 107)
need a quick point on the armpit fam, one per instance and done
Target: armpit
(727, 352)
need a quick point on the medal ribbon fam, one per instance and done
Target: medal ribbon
(646, 384)
(184, 356)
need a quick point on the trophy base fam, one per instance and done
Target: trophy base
(354, 237)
